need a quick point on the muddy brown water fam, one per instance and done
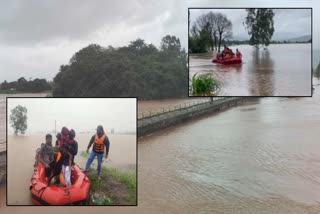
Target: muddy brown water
(3, 113)
(146, 106)
(280, 70)
(262, 157)
(21, 153)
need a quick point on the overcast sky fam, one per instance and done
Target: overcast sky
(288, 23)
(81, 114)
(37, 36)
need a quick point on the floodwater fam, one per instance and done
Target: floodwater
(21, 154)
(3, 114)
(280, 70)
(145, 106)
(262, 157)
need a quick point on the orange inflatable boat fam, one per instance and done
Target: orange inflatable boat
(53, 194)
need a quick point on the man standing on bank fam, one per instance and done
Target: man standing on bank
(99, 141)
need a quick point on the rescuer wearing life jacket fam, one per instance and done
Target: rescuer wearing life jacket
(100, 143)
(238, 54)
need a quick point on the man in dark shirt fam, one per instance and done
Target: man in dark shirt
(46, 155)
(99, 141)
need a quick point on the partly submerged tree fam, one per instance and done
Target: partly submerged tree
(224, 29)
(260, 26)
(18, 119)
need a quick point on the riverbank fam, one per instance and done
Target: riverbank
(113, 188)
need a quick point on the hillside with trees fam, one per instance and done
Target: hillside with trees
(139, 70)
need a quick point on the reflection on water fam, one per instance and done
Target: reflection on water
(279, 70)
(21, 153)
(262, 70)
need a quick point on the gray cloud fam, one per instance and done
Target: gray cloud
(28, 22)
(36, 37)
(288, 23)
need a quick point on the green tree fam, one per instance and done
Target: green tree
(139, 69)
(209, 30)
(260, 26)
(18, 119)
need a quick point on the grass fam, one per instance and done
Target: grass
(205, 84)
(114, 187)
(84, 154)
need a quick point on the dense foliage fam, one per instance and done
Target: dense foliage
(260, 26)
(22, 85)
(139, 69)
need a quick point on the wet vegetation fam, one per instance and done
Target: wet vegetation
(114, 187)
(205, 85)
(137, 70)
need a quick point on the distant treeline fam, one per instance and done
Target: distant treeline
(137, 70)
(23, 85)
(246, 42)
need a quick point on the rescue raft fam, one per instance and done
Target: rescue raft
(227, 61)
(53, 194)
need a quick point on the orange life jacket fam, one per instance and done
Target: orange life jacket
(228, 56)
(98, 145)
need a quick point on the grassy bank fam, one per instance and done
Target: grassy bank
(114, 187)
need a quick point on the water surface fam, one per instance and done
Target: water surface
(279, 70)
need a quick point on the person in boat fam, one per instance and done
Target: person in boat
(45, 155)
(58, 136)
(73, 144)
(64, 136)
(66, 159)
(238, 54)
(100, 142)
(226, 53)
(231, 53)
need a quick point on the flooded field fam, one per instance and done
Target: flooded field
(3, 113)
(280, 70)
(122, 156)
